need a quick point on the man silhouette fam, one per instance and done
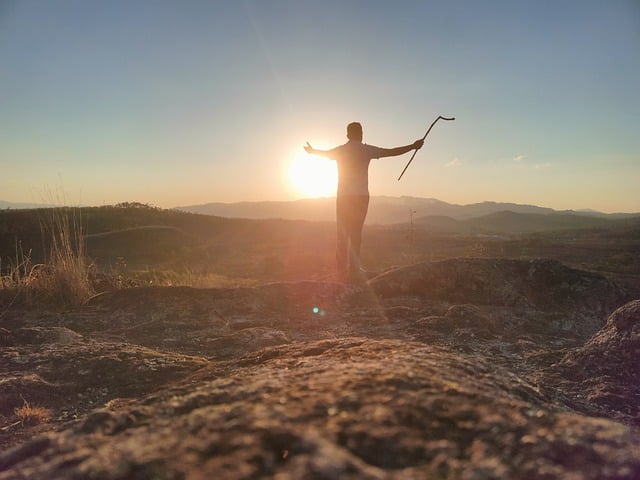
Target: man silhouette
(352, 200)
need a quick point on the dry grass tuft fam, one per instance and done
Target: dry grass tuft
(63, 279)
(20, 270)
(32, 415)
(66, 277)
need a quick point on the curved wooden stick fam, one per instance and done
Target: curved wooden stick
(425, 136)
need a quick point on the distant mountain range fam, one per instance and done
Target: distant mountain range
(18, 205)
(509, 222)
(489, 218)
(394, 210)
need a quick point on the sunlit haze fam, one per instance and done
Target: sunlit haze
(313, 176)
(181, 103)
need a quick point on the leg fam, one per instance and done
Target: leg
(342, 236)
(359, 208)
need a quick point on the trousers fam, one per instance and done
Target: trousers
(351, 211)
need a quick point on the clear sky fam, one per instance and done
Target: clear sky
(186, 102)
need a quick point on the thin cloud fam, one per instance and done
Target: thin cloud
(455, 162)
(525, 163)
(540, 166)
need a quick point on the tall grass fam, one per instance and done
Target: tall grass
(18, 271)
(63, 279)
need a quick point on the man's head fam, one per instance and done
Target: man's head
(354, 131)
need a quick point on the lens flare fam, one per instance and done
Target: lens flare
(313, 176)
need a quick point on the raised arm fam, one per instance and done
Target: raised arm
(314, 151)
(393, 152)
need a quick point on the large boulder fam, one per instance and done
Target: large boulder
(607, 367)
(583, 298)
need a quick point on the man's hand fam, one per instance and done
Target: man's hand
(417, 145)
(308, 148)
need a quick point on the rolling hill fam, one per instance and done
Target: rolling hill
(382, 210)
(509, 222)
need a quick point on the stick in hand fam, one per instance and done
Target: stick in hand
(425, 136)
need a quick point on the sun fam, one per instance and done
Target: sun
(313, 176)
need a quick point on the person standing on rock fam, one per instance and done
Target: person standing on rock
(352, 200)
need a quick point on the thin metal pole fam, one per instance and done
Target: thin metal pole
(425, 136)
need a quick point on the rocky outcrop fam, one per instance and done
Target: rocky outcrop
(606, 369)
(39, 336)
(544, 285)
(468, 369)
(73, 378)
(614, 350)
(336, 409)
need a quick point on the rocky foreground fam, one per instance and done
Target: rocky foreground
(464, 368)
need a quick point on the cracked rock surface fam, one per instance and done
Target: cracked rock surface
(418, 373)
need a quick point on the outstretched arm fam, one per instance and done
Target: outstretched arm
(393, 152)
(314, 151)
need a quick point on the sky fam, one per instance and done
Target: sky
(176, 103)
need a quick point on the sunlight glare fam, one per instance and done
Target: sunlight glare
(313, 176)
